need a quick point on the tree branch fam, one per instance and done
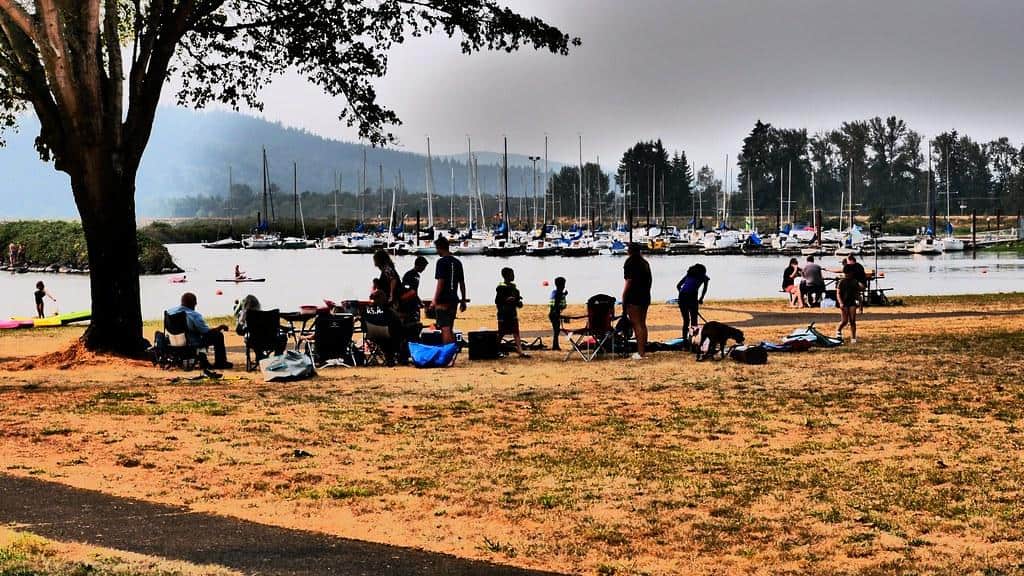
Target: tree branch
(19, 16)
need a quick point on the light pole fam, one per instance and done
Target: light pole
(534, 159)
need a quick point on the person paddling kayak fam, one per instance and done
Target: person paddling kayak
(239, 275)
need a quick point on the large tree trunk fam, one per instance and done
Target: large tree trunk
(105, 193)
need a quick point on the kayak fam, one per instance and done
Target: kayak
(241, 280)
(9, 324)
(177, 279)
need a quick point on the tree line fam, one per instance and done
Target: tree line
(887, 166)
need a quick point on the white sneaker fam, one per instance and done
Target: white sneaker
(853, 341)
(839, 334)
(636, 356)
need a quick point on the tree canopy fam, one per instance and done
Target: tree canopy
(93, 72)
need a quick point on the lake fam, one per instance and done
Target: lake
(297, 277)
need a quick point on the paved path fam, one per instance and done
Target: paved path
(68, 514)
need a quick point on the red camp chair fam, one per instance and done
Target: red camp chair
(599, 334)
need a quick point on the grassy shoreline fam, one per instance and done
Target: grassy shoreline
(897, 455)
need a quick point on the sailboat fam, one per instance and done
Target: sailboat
(927, 245)
(852, 239)
(950, 243)
(425, 243)
(262, 238)
(294, 242)
(229, 242)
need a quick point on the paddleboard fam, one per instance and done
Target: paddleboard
(241, 280)
(9, 324)
(71, 317)
(49, 321)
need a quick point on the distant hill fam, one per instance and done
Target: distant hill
(190, 152)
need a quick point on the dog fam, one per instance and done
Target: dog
(713, 336)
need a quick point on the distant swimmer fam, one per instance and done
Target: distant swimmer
(239, 275)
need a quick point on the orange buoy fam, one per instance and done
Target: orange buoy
(544, 283)
(220, 293)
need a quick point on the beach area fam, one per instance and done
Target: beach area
(900, 453)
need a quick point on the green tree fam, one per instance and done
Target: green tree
(93, 72)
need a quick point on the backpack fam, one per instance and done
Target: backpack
(749, 354)
(287, 367)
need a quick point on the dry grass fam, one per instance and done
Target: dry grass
(23, 554)
(898, 455)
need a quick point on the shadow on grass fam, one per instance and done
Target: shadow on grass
(63, 513)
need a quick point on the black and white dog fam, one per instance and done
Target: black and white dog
(713, 336)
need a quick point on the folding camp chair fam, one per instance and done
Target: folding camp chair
(263, 336)
(172, 346)
(381, 339)
(599, 333)
(331, 340)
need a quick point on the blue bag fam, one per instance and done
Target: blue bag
(426, 356)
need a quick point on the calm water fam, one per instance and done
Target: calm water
(309, 276)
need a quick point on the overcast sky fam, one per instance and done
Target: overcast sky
(699, 73)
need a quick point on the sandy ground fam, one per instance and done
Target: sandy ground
(901, 453)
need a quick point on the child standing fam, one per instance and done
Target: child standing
(847, 293)
(40, 292)
(508, 302)
(556, 307)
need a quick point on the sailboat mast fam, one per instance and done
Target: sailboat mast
(505, 182)
(947, 186)
(266, 215)
(545, 220)
(750, 201)
(451, 198)
(380, 186)
(363, 188)
(295, 194)
(782, 188)
(928, 189)
(337, 186)
(579, 217)
(851, 202)
(789, 195)
(430, 187)
(295, 184)
(231, 186)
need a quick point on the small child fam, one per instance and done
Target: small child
(40, 292)
(508, 302)
(557, 306)
(375, 292)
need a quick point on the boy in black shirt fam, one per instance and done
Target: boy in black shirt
(508, 302)
(556, 307)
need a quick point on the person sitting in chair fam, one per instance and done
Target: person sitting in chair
(199, 334)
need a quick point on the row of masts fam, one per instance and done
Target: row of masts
(622, 207)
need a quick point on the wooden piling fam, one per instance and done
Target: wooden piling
(974, 233)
